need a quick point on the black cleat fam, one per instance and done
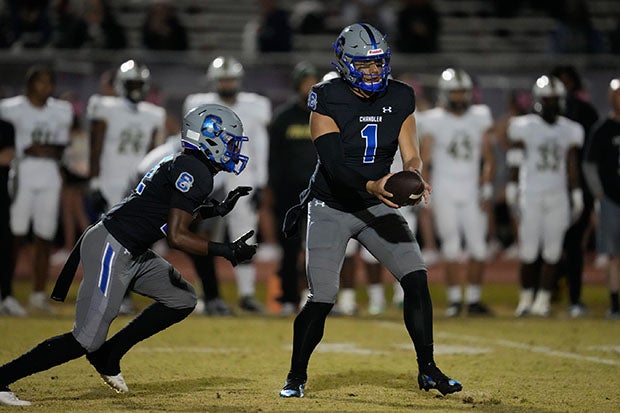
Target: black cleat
(479, 309)
(293, 388)
(432, 378)
(249, 304)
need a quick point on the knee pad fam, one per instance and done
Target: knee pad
(527, 253)
(450, 249)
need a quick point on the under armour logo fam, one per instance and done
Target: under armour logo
(126, 252)
(387, 109)
(319, 203)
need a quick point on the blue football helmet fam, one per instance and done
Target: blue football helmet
(217, 132)
(360, 42)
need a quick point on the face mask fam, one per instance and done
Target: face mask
(458, 106)
(227, 93)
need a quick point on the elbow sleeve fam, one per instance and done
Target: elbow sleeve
(329, 149)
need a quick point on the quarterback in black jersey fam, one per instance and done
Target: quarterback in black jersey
(357, 123)
(116, 257)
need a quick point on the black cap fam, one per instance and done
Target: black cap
(301, 71)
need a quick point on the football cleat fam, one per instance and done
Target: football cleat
(432, 378)
(249, 304)
(453, 310)
(217, 307)
(8, 398)
(478, 309)
(117, 382)
(293, 388)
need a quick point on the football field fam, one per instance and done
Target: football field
(364, 364)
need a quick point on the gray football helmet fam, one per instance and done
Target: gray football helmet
(217, 132)
(360, 42)
(452, 80)
(549, 96)
(132, 80)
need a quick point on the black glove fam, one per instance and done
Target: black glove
(236, 252)
(215, 208)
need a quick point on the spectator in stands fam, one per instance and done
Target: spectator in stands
(574, 32)
(96, 28)
(308, 17)
(377, 13)
(274, 31)
(614, 38)
(162, 29)
(418, 27)
(29, 24)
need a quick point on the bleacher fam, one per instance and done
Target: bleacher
(468, 26)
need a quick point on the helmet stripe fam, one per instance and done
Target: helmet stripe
(372, 37)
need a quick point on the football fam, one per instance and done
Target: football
(406, 186)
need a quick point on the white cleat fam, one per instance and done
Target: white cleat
(117, 383)
(8, 398)
(13, 308)
(38, 300)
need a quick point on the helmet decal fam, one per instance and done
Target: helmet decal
(217, 132)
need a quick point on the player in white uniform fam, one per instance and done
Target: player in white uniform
(455, 140)
(542, 157)
(255, 112)
(123, 129)
(42, 126)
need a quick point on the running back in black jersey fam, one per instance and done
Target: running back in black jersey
(182, 181)
(369, 130)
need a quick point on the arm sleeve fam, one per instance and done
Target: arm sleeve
(329, 148)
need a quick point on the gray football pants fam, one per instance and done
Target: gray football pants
(381, 229)
(109, 270)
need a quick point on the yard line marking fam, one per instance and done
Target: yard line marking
(451, 349)
(528, 347)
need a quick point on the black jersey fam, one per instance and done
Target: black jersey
(604, 150)
(292, 158)
(182, 181)
(369, 130)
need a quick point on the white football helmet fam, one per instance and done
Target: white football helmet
(217, 132)
(132, 80)
(549, 87)
(225, 67)
(452, 80)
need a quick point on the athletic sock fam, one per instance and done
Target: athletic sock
(307, 333)
(50, 353)
(454, 294)
(152, 320)
(245, 275)
(418, 314)
(473, 293)
(205, 267)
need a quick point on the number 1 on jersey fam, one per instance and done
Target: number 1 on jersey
(369, 133)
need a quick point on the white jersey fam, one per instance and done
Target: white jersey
(456, 148)
(255, 113)
(49, 124)
(128, 136)
(546, 151)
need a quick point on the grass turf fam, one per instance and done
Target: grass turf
(364, 364)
